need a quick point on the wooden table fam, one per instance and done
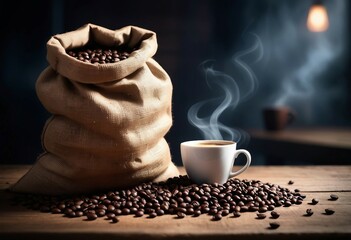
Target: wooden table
(315, 181)
(303, 145)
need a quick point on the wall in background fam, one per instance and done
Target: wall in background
(189, 32)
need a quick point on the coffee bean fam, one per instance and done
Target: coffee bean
(271, 207)
(309, 212)
(303, 196)
(110, 215)
(152, 215)
(275, 214)
(262, 209)
(315, 201)
(183, 210)
(261, 215)
(205, 210)
(61, 206)
(56, 210)
(100, 212)
(79, 213)
(160, 212)
(110, 208)
(183, 205)
(197, 213)
(244, 209)
(213, 211)
(125, 211)
(117, 211)
(79, 202)
(217, 217)
(102, 206)
(190, 211)
(71, 214)
(329, 211)
(333, 197)
(139, 213)
(225, 212)
(287, 204)
(297, 190)
(236, 214)
(133, 210)
(253, 208)
(91, 216)
(68, 211)
(180, 214)
(291, 182)
(115, 219)
(237, 209)
(274, 225)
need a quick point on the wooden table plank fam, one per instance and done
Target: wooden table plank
(336, 138)
(16, 222)
(306, 178)
(321, 146)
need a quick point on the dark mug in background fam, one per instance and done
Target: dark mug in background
(277, 118)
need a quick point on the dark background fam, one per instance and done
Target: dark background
(189, 32)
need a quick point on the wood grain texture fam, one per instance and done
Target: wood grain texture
(337, 138)
(315, 181)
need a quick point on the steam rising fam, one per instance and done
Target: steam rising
(299, 69)
(300, 83)
(251, 77)
(304, 67)
(231, 95)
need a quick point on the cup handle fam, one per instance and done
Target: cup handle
(248, 162)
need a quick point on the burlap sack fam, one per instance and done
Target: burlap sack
(109, 120)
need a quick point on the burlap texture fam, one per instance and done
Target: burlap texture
(109, 120)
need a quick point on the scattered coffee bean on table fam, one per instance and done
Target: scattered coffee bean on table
(309, 212)
(315, 201)
(261, 216)
(275, 214)
(291, 182)
(329, 211)
(177, 196)
(333, 197)
(101, 55)
(274, 225)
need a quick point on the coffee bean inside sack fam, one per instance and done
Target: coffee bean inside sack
(102, 55)
(177, 196)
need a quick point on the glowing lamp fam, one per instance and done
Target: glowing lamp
(317, 20)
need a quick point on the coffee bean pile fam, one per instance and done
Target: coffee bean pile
(178, 196)
(100, 55)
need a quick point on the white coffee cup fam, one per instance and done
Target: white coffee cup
(211, 161)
